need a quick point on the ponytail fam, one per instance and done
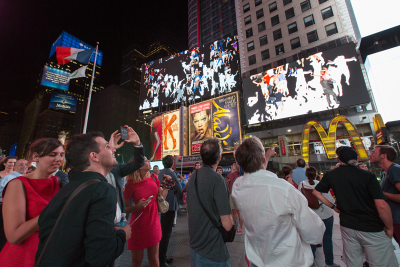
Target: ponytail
(311, 173)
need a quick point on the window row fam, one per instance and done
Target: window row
(294, 43)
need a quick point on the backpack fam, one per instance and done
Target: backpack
(312, 200)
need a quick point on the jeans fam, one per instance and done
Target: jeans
(272, 100)
(199, 261)
(326, 242)
(167, 219)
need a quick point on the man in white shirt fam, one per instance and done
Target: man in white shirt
(279, 225)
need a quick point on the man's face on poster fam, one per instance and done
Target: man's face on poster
(200, 122)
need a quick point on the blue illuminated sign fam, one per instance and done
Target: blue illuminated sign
(63, 101)
(68, 40)
(55, 78)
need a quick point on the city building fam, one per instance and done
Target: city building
(210, 20)
(275, 32)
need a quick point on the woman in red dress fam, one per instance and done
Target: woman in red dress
(143, 188)
(24, 198)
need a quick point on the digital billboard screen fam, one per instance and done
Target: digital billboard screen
(203, 72)
(62, 101)
(218, 117)
(55, 78)
(326, 80)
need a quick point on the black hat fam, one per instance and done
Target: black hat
(346, 153)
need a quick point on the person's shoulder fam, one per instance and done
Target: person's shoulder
(393, 168)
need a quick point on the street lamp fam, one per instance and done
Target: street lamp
(123, 162)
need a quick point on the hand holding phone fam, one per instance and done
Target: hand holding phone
(124, 133)
(150, 197)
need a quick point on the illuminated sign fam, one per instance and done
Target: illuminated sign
(68, 40)
(380, 129)
(324, 81)
(283, 148)
(329, 139)
(60, 101)
(203, 72)
(218, 117)
(171, 136)
(55, 78)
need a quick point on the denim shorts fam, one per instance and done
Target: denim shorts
(199, 261)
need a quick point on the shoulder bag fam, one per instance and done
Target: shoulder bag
(76, 192)
(227, 236)
(162, 204)
(311, 199)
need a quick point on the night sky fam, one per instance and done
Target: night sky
(28, 29)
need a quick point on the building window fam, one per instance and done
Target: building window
(216, 19)
(246, 8)
(227, 29)
(250, 46)
(327, 13)
(257, 2)
(207, 31)
(226, 21)
(216, 27)
(265, 54)
(208, 39)
(252, 60)
(234, 16)
(215, 13)
(205, 25)
(289, 13)
(331, 29)
(226, 13)
(261, 26)
(305, 5)
(312, 36)
(277, 34)
(267, 67)
(247, 20)
(275, 20)
(214, 5)
(292, 27)
(295, 43)
(279, 49)
(286, 2)
(322, 1)
(263, 40)
(253, 71)
(309, 20)
(249, 32)
(273, 7)
(260, 13)
(281, 62)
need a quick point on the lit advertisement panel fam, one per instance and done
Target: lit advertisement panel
(171, 133)
(68, 40)
(203, 72)
(156, 138)
(326, 80)
(386, 91)
(55, 78)
(218, 117)
(159, 164)
(62, 101)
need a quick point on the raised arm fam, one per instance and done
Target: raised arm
(386, 216)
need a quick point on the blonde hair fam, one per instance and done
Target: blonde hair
(135, 176)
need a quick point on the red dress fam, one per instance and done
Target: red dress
(39, 192)
(146, 231)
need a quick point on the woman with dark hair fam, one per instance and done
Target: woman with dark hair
(143, 188)
(326, 215)
(24, 198)
(287, 171)
(7, 166)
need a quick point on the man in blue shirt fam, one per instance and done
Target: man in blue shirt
(299, 174)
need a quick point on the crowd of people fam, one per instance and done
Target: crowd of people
(53, 218)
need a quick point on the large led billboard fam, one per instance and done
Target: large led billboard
(218, 117)
(386, 91)
(55, 78)
(60, 101)
(68, 40)
(326, 80)
(204, 72)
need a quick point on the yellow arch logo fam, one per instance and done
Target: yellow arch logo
(329, 140)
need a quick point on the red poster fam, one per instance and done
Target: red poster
(283, 150)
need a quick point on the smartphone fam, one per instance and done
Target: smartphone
(124, 133)
(150, 197)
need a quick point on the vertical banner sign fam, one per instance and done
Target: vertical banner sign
(155, 138)
(226, 122)
(200, 125)
(171, 134)
(184, 131)
(282, 143)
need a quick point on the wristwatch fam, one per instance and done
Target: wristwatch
(334, 206)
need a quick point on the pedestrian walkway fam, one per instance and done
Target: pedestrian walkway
(179, 248)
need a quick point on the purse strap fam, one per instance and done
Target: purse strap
(201, 204)
(72, 196)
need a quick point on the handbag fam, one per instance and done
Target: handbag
(227, 236)
(76, 192)
(162, 204)
(312, 200)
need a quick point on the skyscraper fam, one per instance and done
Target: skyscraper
(210, 20)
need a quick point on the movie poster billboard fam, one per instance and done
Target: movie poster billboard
(55, 78)
(171, 133)
(61, 101)
(327, 80)
(218, 117)
(203, 72)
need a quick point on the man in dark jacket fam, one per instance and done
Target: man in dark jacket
(85, 235)
(167, 219)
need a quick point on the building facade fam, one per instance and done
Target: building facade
(275, 32)
(210, 20)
